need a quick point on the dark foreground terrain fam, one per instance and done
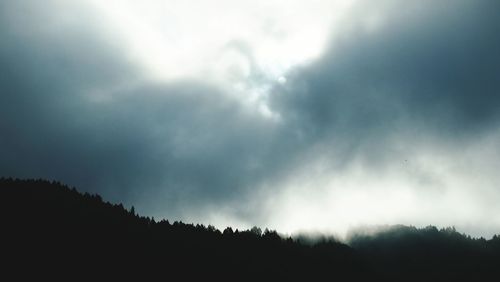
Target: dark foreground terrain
(51, 231)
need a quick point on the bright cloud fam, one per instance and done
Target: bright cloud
(241, 46)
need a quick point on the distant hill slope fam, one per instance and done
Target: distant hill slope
(50, 230)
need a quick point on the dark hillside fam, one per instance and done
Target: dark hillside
(54, 229)
(50, 230)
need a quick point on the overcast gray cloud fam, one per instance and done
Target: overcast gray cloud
(73, 109)
(437, 67)
(421, 80)
(398, 82)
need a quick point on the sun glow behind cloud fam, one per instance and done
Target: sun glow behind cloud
(241, 46)
(176, 39)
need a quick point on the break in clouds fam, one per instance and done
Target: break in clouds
(296, 115)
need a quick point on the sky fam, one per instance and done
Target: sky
(300, 116)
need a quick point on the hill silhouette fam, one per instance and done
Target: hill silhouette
(50, 230)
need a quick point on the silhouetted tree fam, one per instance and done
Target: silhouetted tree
(256, 230)
(228, 231)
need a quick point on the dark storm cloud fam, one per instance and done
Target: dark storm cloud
(431, 67)
(150, 143)
(182, 140)
(73, 108)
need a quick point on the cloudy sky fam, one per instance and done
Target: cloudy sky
(290, 114)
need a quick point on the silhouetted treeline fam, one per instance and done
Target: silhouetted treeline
(405, 253)
(50, 230)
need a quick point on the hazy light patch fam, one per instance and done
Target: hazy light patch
(222, 218)
(420, 184)
(443, 186)
(334, 203)
(282, 80)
